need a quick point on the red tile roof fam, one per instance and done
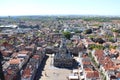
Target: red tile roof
(6, 44)
(92, 74)
(88, 69)
(7, 77)
(24, 52)
(9, 71)
(99, 54)
(6, 52)
(26, 73)
(118, 75)
(104, 60)
(118, 58)
(15, 61)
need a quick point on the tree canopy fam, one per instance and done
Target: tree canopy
(67, 34)
(88, 31)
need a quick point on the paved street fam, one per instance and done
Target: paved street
(52, 73)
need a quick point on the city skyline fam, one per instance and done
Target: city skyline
(62, 7)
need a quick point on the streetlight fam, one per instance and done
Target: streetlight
(1, 71)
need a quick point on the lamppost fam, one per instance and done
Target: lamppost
(1, 71)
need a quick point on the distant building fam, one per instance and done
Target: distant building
(63, 58)
(8, 26)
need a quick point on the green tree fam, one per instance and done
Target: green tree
(67, 34)
(88, 31)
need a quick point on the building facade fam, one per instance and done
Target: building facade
(63, 58)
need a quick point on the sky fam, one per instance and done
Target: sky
(59, 7)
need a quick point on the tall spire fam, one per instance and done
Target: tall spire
(63, 43)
